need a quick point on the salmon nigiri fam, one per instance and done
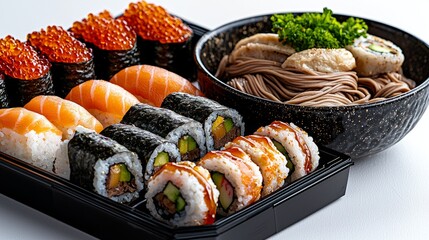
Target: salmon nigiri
(106, 101)
(29, 136)
(64, 114)
(152, 84)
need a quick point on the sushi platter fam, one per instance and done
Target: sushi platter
(143, 150)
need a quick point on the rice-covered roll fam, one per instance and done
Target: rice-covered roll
(182, 194)
(269, 160)
(29, 136)
(72, 62)
(102, 165)
(295, 144)
(27, 74)
(153, 150)
(375, 55)
(186, 133)
(4, 97)
(237, 178)
(221, 124)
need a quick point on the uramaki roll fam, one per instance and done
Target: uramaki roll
(182, 194)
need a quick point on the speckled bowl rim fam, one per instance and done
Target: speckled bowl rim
(208, 35)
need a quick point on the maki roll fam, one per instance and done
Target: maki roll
(4, 98)
(221, 124)
(27, 73)
(29, 136)
(72, 62)
(295, 144)
(164, 40)
(269, 160)
(186, 133)
(237, 178)
(106, 101)
(102, 165)
(375, 55)
(114, 43)
(153, 150)
(182, 194)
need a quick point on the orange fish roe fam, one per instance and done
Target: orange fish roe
(21, 61)
(152, 22)
(59, 46)
(105, 32)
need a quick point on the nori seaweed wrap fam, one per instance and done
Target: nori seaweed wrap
(221, 124)
(114, 43)
(163, 39)
(72, 62)
(101, 164)
(27, 74)
(4, 98)
(153, 150)
(185, 132)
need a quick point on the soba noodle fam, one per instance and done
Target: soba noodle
(267, 79)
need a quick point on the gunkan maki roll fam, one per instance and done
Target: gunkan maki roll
(72, 62)
(153, 150)
(114, 43)
(164, 40)
(186, 133)
(221, 124)
(102, 165)
(27, 73)
(4, 98)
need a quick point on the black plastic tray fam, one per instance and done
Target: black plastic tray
(104, 218)
(107, 219)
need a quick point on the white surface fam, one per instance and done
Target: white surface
(387, 195)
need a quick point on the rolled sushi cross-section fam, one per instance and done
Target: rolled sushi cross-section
(182, 194)
(237, 178)
(269, 160)
(102, 165)
(104, 100)
(153, 150)
(113, 41)
(295, 144)
(221, 124)
(72, 62)
(29, 136)
(28, 74)
(186, 133)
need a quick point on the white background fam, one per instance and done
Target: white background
(388, 193)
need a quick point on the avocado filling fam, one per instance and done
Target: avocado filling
(119, 180)
(226, 191)
(188, 148)
(161, 159)
(281, 149)
(223, 131)
(170, 200)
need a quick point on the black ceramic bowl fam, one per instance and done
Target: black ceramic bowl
(358, 130)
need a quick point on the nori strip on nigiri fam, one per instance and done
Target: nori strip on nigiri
(163, 39)
(171, 126)
(114, 43)
(27, 74)
(147, 145)
(4, 98)
(72, 62)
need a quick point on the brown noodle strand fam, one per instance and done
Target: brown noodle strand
(267, 79)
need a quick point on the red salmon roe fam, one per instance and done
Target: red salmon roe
(152, 22)
(105, 32)
(21, 61)
(59, 46)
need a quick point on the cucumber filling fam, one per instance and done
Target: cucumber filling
(226, 191)
(161, 159)
(281, 149)
(188, 148)
(170, 200)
